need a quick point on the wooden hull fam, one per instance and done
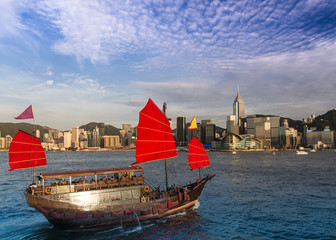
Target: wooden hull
(67, 214)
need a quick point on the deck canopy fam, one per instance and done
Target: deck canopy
(89, 172)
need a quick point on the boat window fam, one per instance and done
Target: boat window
(127, 195)
(136, 193)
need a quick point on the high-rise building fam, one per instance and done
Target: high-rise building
(181, 131)
(111, 141)
(288, 137)
(67, 139)
(37, 133)
(2, 143)
(96, 137)
(265, 128)
(126, 127)
(75, 137)
(8, 140)
(209, 133)
(239, 112)
(231, 124)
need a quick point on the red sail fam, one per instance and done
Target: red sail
(197, 156)
(26, 152)
(155, 140)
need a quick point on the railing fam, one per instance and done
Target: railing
(65, 187)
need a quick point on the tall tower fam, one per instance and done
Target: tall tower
(75, 137)
(239, 111)
(181, 130)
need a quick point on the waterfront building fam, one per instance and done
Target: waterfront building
(96, 137)
(126, 127)
(239, 112)
(8, 141)
(208, 131)
(170, 123)
(67, 139)
(46, 138)
(231, 124)
(37, 133)
(89, 139)
(122, 135)
(264, 128)
(127, 135)
(233, 141)
(249, 142)
(181, 131)
(2, 143)
(288, 137)
(320, 139)
(83, 139)
(111, 141)
(54, 133)
(75, 137)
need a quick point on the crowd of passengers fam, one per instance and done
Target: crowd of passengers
(158, 193)
(125, 178)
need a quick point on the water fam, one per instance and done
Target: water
(254, 195)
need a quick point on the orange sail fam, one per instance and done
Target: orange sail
(197, 156)
(193, 124)
(155, 139)
(26, 152)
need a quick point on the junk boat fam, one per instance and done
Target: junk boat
(109, 197)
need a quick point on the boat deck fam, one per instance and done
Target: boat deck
(79, 185)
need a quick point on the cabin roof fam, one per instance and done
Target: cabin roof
(88, 172)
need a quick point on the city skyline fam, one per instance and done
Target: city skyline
(101, 61)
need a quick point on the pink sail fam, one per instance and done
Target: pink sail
(27, 114)
(197, 156)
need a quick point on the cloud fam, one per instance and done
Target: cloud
(191, 54)
(46, 83)
(103, 30)
(289, 84)
(10, 21)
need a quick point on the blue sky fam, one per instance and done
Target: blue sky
(81, 61)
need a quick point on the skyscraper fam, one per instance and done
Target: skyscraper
(239, 112)
(181, 130)
(75, 137)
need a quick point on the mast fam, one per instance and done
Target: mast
(34, 134)
(155, 139)
(166, 162)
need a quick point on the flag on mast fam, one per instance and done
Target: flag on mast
(27, 114)
(193, 124)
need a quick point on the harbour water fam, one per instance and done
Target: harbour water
(254, 195)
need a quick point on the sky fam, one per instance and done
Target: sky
(100, 60)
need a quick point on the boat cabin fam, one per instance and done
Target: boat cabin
(86, 180)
